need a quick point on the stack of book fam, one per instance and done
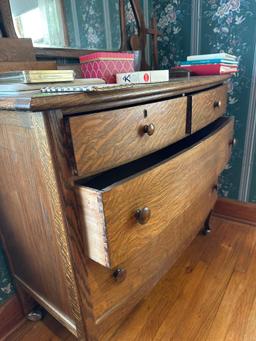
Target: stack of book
(210, 64)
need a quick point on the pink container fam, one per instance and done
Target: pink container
(106, 65)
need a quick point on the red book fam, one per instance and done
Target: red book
(209, 69)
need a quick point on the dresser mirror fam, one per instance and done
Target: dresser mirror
(69, 28)
(90, 24)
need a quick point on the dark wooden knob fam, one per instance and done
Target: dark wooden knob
(217, 104)
(143, 215)
(149, 129)
(119, 275)
(232, 142)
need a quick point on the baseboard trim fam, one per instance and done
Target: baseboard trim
(236, 210)
(11, 316)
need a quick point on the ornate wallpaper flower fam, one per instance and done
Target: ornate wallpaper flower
(6, 286)
(174, 25)
(229, 26)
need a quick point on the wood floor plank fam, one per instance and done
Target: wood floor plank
(238, 298)
(248, 247)
(198, 318)
(156, 317)
(175, 314)
(169, 289)
(250, 330)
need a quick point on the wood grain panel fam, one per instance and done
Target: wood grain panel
(111, 138)
(78, 283)
(111, 230)
(16, 50)
(32, 65)
(31, 220)
(207, 106)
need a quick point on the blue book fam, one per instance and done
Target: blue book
(212, 56)
(209, 61)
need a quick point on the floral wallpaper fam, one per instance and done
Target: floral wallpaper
(6, 285)
(174, 21)
(229, 26)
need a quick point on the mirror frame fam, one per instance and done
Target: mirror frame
(8, 30)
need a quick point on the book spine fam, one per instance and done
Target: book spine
(212, 56)
(143, 77)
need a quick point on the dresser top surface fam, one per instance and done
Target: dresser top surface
(72, 103)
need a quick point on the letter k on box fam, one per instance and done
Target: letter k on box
(155, 76)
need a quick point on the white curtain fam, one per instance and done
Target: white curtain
(53, 22)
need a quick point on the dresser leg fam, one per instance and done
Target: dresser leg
(207, 228)
(36, 314)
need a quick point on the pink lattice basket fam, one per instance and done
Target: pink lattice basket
(106, 65)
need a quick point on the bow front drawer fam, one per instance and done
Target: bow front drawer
(111, 138)
(125, 208)
(207, 106)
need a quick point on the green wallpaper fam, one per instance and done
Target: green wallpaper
(174, 22)
(230, 26)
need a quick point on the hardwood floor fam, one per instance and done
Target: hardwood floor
(209, 294)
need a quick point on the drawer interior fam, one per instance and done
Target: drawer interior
(105, 180)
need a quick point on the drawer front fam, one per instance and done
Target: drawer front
(143, 270)
(116, 219)
(108, 139)
(207, 106)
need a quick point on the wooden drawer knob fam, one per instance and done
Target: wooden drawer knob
(217, 104)
(119, 275)
(142, 215)
(149, 129)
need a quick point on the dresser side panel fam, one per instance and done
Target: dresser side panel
(31, 218)
(60, 147)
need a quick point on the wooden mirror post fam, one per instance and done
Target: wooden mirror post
(138, 41)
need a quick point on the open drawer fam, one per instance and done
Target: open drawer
(126, 208)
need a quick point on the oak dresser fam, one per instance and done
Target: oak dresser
(101, 192)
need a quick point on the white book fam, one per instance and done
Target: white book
(154, 76)
(212, 56)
